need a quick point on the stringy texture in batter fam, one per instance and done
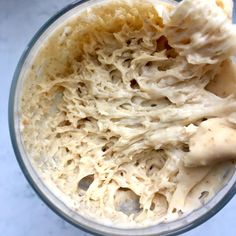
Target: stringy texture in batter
(117, 101)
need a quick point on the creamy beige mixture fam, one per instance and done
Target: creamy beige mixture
(129, 109)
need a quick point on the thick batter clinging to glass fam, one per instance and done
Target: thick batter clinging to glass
(129, 110)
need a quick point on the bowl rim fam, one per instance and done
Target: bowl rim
(13, 135)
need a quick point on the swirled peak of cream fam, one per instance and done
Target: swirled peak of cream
(125, 113)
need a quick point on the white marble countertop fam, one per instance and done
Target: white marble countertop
(21, 211)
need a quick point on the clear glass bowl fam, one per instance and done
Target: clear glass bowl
(181, 225)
